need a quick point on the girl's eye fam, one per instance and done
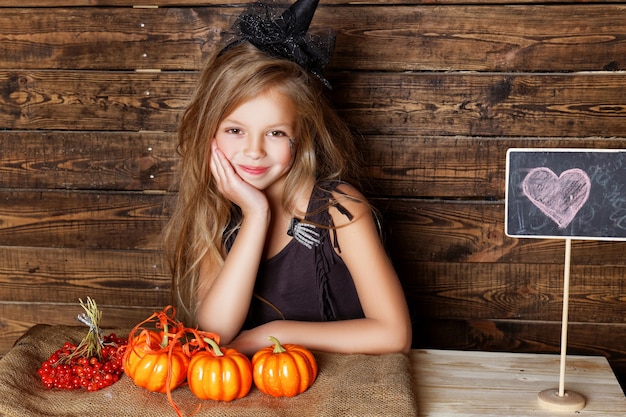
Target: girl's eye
(235, 131)
(276, 133)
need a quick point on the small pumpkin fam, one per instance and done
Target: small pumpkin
(283, 370)
(219, 374)
(149, 358)
(155, 359)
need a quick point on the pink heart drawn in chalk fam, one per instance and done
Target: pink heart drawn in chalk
(559, 198)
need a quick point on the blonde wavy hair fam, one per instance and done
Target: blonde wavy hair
(324, 149)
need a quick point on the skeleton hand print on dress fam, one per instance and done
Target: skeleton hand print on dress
(304, 233)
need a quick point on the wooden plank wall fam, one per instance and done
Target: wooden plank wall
(90, 99)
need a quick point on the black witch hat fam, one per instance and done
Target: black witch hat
(283, 34)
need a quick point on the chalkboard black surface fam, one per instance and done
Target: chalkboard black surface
(566, 193)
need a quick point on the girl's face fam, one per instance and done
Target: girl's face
(257, 138)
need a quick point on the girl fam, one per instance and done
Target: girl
(270, 237)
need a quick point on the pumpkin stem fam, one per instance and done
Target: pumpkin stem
(278, 348)
(165, 339)
(214, 346)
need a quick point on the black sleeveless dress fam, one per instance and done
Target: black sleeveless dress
(306, 280)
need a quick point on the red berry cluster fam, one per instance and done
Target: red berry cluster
(66, 371)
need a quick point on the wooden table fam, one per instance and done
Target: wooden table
(460, 383)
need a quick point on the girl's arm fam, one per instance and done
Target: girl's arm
(386, 326)
(225, 293)
(225, 299)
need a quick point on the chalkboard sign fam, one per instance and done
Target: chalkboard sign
(566, 193)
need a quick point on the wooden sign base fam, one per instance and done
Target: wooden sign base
(569, 401)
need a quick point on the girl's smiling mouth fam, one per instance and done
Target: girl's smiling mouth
(251, 170)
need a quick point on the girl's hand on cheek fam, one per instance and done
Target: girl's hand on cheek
(230, 184)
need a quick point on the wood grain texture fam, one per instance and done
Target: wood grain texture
(461, 37)
(166, 3)
(111, 38)
(473, 232)
(97, 101)
(113, 277)
(462, 383)
(472, 104)
(525, 337)
(403, 165)
(87, 160)
(484, 104)
(439, 290)
(91, 220)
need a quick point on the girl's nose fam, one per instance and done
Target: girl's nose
(254, 147)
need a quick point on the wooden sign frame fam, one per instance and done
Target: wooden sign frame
(552, 203)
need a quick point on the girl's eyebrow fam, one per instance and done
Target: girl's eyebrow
(281, 127)
(231, 121)
(277, 126)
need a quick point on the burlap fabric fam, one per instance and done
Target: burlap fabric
(347, 385)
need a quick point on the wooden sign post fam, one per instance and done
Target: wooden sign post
(565, 194)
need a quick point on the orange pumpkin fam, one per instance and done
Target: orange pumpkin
(219, 374)
(284, 370)
(154, 363)
(157, 360)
